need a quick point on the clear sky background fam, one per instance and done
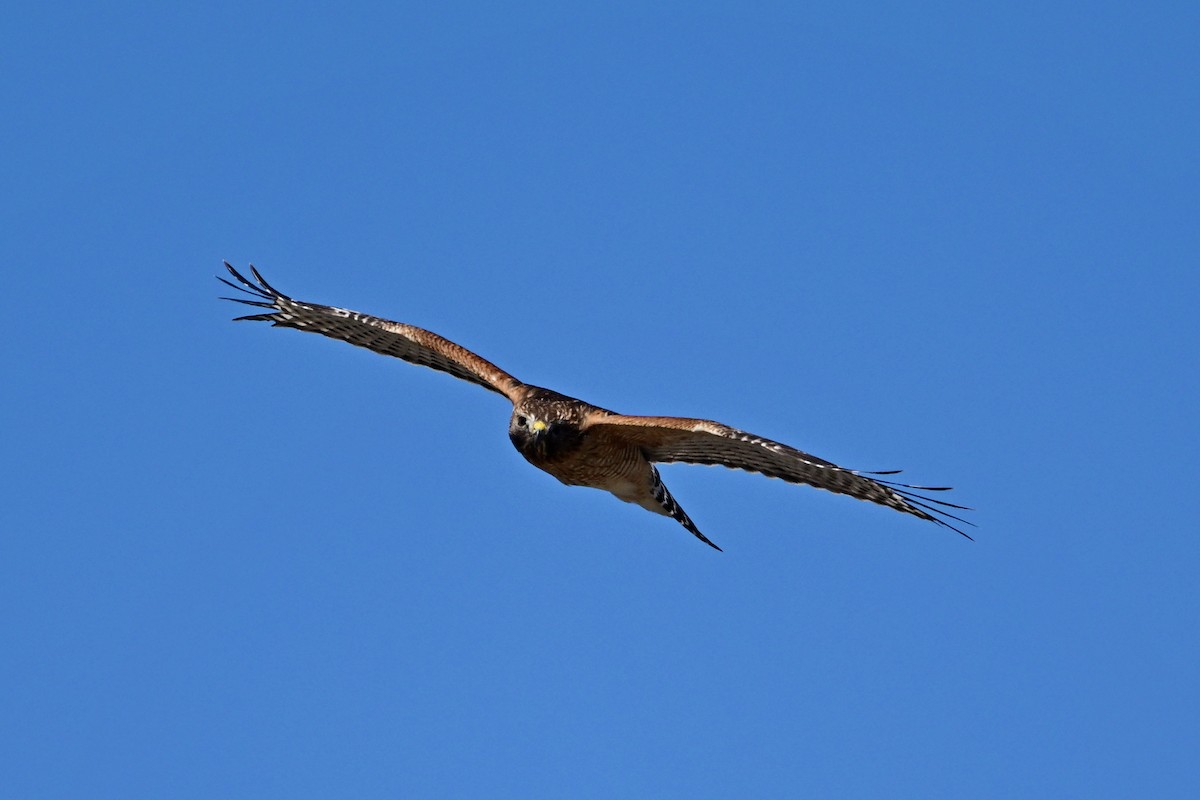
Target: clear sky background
(245, 562)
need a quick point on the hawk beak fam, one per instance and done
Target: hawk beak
(538, 429)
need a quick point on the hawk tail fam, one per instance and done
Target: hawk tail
(672, 509)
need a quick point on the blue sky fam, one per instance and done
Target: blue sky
(244, 562)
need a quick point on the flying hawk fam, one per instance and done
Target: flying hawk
(582, 444)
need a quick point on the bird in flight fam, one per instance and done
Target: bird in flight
(585, 445)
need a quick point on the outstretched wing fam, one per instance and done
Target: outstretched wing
(408, 342)
(701, 441)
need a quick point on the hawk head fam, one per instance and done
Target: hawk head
(540, 439)
(546, 426)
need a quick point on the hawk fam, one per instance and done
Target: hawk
(585, 445)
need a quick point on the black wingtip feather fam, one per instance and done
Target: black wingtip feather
(921, 507)
(258, 277)
(927, 506)
(904, 493)
(266, 296)
(256, 303)
(919, 502)
(242, 279)
(262, 289)
(242, 289)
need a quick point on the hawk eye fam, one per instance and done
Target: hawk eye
(521, 422)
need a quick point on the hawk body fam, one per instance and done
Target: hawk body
(559, 435)
(584, 445)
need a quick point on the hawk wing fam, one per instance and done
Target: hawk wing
(408, 342)
(701, 441)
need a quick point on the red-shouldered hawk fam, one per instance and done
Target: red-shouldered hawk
(582, 444)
